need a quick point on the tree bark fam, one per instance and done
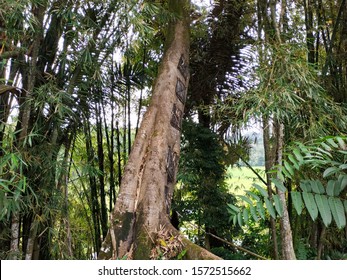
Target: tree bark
(142, 210)
(269, 162)
(288, 252)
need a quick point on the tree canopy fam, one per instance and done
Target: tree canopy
(121, 120)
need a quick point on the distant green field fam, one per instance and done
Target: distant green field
(242, 178)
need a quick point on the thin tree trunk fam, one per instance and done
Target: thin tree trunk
(101, 158)
(141, 92)
(25, 115)
(14, 246)
(321, 243)
(31, 241)
(93, 189)
(129, 112)
(110, 150)
(63, 187)
(288, 252)
(269, 162)
(119, 154)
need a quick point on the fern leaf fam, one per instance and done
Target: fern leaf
(338, 211)
(239, 219)
(253, 195)
(298, 155)
(297, 201)
(342, 143)
(278, 205)
(279, 184)
(332, 143)
(235, 220)
(270, 207)
(245, 215)
(324, 209)
(343, 182)
(261, 190)
(330, 187)
(330, 171)
(289, 168)
(233, 208)
(294, 162)
(253, 213)
(305, 185)
(261, 210)
(246, 199)
(317, 187)
(310, 204)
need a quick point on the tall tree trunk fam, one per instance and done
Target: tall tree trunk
(269, 162)
(119, 155)
(93, 188)
(31, 241)
(14, 246)
(101, 159)
(30, 78)
(288, 252)
(143, 205)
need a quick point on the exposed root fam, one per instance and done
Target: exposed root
(175, 246)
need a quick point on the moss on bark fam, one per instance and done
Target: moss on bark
(143, 245)
(195, 252)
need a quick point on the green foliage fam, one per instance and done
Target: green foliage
(291, 95)
(321, 197)
(13, 185)
(201, 176)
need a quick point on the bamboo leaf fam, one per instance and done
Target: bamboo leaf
(298, 155)
(270, 207)
(324, 152)
(162, 243)
(261, 190)
(310, 204)
(338, 211)
(342, 143)
(294, 161)
(343, 166)
(286, 173)
(297, 201)
(278, 205)
(326, 147)
(289, 168)
(332, 143)
(324, 209)
(279, 184)
(2, 199)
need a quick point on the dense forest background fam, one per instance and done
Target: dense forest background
(267, 94)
